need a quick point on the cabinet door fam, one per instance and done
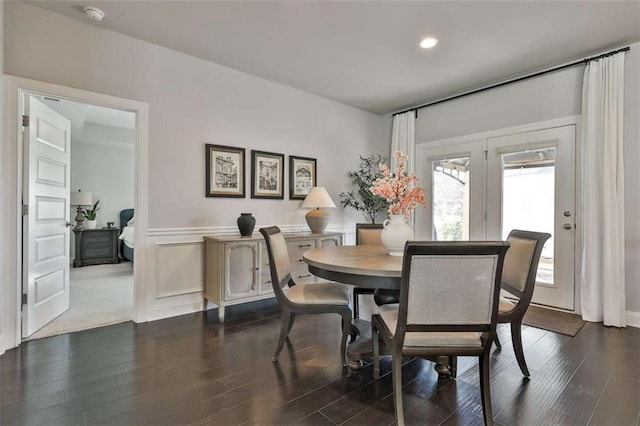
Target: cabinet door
(331, 241)
(241, 266)
(265, 272)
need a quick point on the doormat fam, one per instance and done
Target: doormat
(556, 321)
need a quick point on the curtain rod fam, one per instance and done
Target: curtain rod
(515, 80)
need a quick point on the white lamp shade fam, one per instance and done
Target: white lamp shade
(79, 198)
(318, 197)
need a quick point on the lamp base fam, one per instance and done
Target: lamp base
(317, 220)
(79, 219)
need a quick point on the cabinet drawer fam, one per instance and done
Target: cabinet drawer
(90, 253)
(296, 249)
(98, 238)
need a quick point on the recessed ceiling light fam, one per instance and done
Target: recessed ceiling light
(428, 42)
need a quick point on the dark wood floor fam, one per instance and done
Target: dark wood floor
(191, 369)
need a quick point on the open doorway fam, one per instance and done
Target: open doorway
(101, 180)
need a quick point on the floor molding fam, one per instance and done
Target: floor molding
(633, 319)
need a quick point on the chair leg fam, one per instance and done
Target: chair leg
(286, 318)
(453, 366)
(396, 370)
(292, 319)
(375, 338)
(346, 329)
(355, 303)
(516, 337)
(485, 386)
(497, 342)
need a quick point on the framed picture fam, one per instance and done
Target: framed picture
(267, 175)
(302, 176)
(224, 171)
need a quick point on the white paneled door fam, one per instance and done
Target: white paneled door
(531, 186)
(46, 229)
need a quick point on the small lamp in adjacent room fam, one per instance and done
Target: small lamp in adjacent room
(318, 198)
(79, 198)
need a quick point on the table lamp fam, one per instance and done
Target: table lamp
(80, 199)
(318, 198)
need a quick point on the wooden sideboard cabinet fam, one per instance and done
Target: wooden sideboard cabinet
(96, 246)
(237, 268)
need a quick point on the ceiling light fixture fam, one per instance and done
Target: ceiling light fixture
(94, 13)
(428, 42)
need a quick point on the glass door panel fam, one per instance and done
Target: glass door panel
(451, 199)
(453, 176)
(528, 199)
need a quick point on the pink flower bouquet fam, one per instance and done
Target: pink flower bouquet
(399, 189)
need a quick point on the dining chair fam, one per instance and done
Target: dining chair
(310, 298)
(519, 280)
(433, 319)
(366, 234)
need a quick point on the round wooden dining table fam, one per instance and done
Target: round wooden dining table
(364, 266)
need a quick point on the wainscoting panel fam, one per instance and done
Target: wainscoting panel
(180, 268)
(175, 266)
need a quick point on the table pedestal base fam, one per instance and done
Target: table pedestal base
(363, 348)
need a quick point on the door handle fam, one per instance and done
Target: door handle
(68, 224)
(567, 226)
(567, 213)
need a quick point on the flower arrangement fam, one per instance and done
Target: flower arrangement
(399, 189)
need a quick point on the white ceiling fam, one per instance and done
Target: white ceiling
(365, 53)
(92, 123)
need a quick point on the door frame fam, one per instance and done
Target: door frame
(575, 120)
(14, 89)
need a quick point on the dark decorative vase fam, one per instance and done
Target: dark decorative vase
(246, 223)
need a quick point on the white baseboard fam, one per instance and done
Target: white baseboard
(174, 309)
(2, 348)
(633, 319)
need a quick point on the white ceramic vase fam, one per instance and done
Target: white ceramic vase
(395, 233)
(90, 224)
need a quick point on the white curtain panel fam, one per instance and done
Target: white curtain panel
(403, 138)
(602, 275)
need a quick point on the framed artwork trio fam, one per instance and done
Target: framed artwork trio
(225, 174)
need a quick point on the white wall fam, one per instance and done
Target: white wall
(544, 98)
(105, 166)
(192, 101)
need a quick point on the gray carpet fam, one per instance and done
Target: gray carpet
(100, 295)
(556, 321)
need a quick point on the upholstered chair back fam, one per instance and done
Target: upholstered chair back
(278, 259)
(450, 285)
(368, 234)
(518, 261)
(451, 289)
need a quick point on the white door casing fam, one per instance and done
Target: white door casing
(560, 292)
(14, 89)
(46, 189)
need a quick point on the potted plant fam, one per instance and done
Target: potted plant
(90, 215)
(361, 198)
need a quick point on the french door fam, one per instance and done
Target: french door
(485, 188)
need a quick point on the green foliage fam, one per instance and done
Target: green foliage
(90, 214)
(361, 197)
